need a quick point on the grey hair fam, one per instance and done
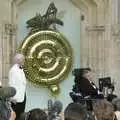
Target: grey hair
(18, 58)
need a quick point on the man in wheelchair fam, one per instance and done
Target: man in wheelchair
(85, 91)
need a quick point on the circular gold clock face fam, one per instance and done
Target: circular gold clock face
(48, 57)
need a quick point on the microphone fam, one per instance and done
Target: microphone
(50, 105)
(7, 92)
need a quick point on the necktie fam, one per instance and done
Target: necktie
(20, 67)
(94, 85)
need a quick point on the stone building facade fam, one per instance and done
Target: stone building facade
(99, 42)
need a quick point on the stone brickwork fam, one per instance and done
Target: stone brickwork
(99, 42)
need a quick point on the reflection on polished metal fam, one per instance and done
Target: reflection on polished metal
(48, 58)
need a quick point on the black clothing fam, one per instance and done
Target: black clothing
(84, 91)
(86, 88)
(111, 97)
(19, 108)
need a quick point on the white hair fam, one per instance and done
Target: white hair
(18, 58)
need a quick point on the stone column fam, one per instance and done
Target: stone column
(8, 48)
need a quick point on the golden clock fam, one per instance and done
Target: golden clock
(48, 58)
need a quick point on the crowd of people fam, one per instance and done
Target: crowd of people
(88, 102)
(102, 110)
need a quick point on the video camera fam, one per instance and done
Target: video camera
(105, 82)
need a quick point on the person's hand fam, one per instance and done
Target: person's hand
(13, 115)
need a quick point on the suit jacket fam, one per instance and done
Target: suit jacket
(86, 88)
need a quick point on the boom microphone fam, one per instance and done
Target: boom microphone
(7, 92)
(50, 106)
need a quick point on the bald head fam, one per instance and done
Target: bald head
(19, 59)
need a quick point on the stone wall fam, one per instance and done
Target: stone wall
(99, 36)
(100, 41)
(4, 43)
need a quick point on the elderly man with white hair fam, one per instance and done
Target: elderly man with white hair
(17, 80)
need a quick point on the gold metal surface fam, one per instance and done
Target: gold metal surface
(48, 58)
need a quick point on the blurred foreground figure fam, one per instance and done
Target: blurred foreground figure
(34, 114)
(6, 112)
(103, 110)
(76, 111)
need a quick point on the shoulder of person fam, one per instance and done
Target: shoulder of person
(14, 68)
(117, 113)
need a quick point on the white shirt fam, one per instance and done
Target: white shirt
(117, 113)
(17, 80)
(95, 87)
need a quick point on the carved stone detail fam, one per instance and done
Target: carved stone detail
(8, 48)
